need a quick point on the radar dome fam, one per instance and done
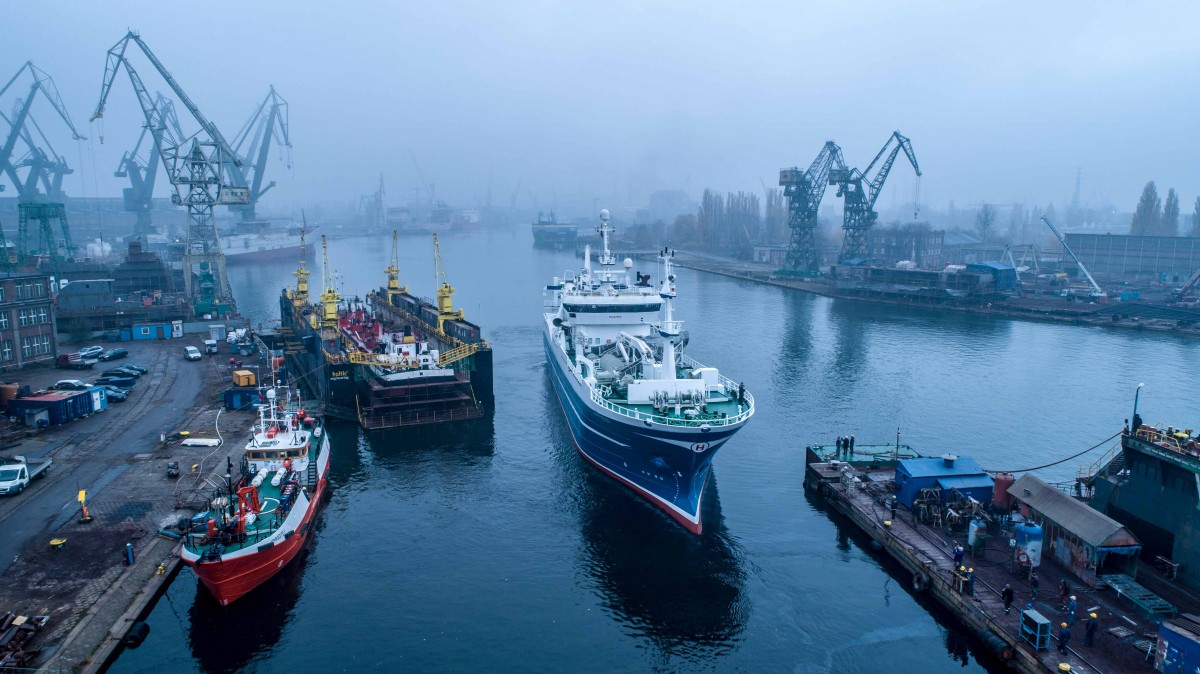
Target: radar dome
(629, 263)
(603, 213)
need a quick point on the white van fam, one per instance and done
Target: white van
(192, 353)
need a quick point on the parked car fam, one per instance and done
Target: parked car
(113, 354)
(69, 385)
(123, 382)
(192, 353)
(139, 368)
(120, 372)
(116, 389)
(91, 351)
(114, 394)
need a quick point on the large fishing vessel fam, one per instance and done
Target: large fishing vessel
(391, 360)
(638, 408)
(257, 522)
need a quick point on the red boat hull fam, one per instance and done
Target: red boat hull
(228, 580)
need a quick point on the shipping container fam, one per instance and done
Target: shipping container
(99, 398)
(242, 398)
(243, 378)
(62, 406)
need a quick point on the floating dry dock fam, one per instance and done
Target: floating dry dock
(862, 488)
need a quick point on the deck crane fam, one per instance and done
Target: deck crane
(1096, 290)
(268, 123)
(860, 189)
(804, 191)
(445, 292)
(195, 166)
(394, 289)
(139, 196)
(328, 322)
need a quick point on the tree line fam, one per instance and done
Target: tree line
(1153, 217)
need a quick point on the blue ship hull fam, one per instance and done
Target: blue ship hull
(668, 465)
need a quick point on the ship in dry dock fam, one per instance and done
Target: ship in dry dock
(392, 360)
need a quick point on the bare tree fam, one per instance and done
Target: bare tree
(985, 219)
(1145, 218)
(1169, 225)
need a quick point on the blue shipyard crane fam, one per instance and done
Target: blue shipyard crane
(860, 189)
(253, 145)
(804, 191)
(39, 162)
(141, 171)
(194, 164)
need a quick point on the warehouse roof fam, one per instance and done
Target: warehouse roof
(1090, 525)
(938, 467)
(966, 482)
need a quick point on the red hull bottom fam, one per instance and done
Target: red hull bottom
(228, 580)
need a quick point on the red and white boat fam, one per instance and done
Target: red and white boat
(265, 512)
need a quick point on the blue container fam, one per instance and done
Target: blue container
(99, 396)
(1178, 648)
(1029, 544)
(242, 397)
(125, 335)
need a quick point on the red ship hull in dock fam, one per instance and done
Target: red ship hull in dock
(229, 580)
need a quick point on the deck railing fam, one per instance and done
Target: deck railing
(731, 389)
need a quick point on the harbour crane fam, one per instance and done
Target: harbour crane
(253, 145)
(804, 191)
(40, 163)
(1096, 290)
(195, 166)
(1182, 295)
(138, 198)
(860, 189)
(445, 291)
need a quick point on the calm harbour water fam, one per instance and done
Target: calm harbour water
(497, 549)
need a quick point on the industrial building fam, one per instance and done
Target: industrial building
(917, 244)
(942, 474)
(27, 320)
(1170, 259)
(1077, 537)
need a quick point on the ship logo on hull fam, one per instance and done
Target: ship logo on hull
(339, 375)
(699, 447)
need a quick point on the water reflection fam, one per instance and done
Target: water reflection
(684, 594)
(452, 459)
(228, 638)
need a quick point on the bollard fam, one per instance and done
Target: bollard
(129, 554)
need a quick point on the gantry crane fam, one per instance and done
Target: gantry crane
(860, 189)
(1096, 290)
(804, 191)
(138, 198)
(40, 163)
(195, 166)
(253, 145)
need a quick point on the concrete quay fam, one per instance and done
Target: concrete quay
(91, 595)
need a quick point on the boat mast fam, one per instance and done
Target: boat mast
(670, 327)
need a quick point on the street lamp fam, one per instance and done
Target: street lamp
(1136, 419)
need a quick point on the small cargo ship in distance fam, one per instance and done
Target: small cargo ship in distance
(548, 232)
(257, 522)
(392, 360)
(638, 408)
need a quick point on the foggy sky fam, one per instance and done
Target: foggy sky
(613, 100)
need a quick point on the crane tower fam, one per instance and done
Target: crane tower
(860, 189)
(804, 191)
